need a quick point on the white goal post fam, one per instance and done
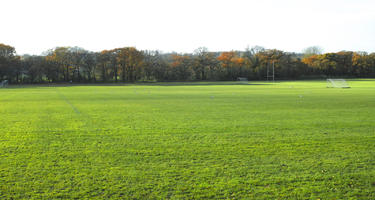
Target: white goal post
(337, 83)
(4, 83)
(242, 80)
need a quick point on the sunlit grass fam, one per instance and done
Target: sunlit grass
(264, 140)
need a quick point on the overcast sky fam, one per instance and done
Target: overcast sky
(184, 25)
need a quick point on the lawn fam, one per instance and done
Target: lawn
(264, 140)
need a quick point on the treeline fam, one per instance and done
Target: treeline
(74, 64)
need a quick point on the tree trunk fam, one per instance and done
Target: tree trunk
(104, 74)
(116, 74)
(67, 73)
(79, 74)
(123, 73)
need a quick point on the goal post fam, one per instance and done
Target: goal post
(242, 80)
(337, 83)
(4, 83)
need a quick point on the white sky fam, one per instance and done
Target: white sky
(34, 26)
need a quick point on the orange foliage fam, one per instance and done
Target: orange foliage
(310, 60)
(356, 59)
(226, 58)
(238, 61)
(231, 59)
(178, 59)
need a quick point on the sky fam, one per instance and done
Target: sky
(33, 27)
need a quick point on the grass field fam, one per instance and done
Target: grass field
(288, 140)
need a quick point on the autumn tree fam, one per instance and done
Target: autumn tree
(9, 63)
(33, 68)
(363, 64)
(252, 61)
(226, 59)
(130, 60)
(104, 63)
(60, 57)
(129, 64)
(74, 59)
(155, 66)
(109, 66)
(235, 64)
(181, 67)
(89, 64)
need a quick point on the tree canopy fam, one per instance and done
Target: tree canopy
(128, 64)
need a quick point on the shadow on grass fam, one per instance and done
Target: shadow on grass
(362, 79)
(198, 84)
(219, 83)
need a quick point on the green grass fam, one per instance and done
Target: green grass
(288, 140)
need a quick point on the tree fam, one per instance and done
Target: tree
(104, 61)
(155, 66)
(130, 60)
(9, 63)
(225, 59)
(7, 51)
(33, 68)
(75, 61)
(201, 62)
(129, 64)
(181, 67)
(108, 62)
(60, 56)
(313, 50)
(252, 61)
(89, 63)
